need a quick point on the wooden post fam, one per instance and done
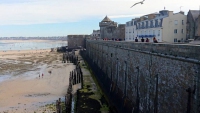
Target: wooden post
(75, 78)
(57, 108)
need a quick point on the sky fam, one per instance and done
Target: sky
(64, 17)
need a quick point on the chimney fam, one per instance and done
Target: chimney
(151, 16)
(141, 18)
(181, 12)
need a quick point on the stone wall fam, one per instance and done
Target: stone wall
(75, 41)
(153, 78)
(113, 32)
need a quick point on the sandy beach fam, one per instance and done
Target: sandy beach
(21, 88)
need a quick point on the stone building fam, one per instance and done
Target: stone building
(165, 26)
(197, 31)
(111, 30)
(193, 24)
(77, 41)
(95, 34)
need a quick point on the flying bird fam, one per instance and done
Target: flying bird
(138, 3)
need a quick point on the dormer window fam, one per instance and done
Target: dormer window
(146, 24)
(154, 23)
(158, 22)
(138, 25)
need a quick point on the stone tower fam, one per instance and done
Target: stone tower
(107, 27)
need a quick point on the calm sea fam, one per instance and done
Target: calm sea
(29, 44)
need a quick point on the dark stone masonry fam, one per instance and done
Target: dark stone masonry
(148, 77)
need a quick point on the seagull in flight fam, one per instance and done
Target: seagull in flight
(138, 3)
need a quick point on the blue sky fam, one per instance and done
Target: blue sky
(63, 17)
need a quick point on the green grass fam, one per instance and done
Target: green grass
(104, 108)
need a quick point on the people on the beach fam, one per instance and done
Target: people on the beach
(42, 75)
(39, 75)
(154, 40)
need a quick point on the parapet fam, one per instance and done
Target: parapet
(182, 51)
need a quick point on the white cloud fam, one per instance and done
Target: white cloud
(57, 11)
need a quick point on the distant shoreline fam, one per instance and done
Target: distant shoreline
(34, 40)
(18, 45)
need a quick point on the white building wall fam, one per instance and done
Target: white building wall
(163, 33)
(151, 31)
(129, 34)
(169, 26)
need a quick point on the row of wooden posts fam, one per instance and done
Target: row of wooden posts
(70, 57)
(76, 77)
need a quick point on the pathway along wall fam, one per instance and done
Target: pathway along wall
(147, 77)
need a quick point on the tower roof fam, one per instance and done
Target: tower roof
(106, 19)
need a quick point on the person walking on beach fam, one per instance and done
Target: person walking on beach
(42, 75)
(39, 75)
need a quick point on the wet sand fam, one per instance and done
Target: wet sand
(23, 91)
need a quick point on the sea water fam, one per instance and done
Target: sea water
(29, 44)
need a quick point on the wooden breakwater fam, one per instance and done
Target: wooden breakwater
(76, 77)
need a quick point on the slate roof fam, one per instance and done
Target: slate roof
(106, 19)
(195, 14)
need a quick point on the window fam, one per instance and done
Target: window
(158, 32)
(182, 31)
(133, 30)
(175, 39)
(153, 23)
(153, 32)
(176, 22)
(182, 22)
(175, 31)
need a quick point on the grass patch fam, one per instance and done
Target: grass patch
(84, 90)
(51, 107)
(104, 108)
(96, 96)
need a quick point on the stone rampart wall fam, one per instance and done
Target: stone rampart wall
(151, 77)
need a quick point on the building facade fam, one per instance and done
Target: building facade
(165, 26)
(110, 30)
(197, 32)
(193, 24)
(95, 34)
